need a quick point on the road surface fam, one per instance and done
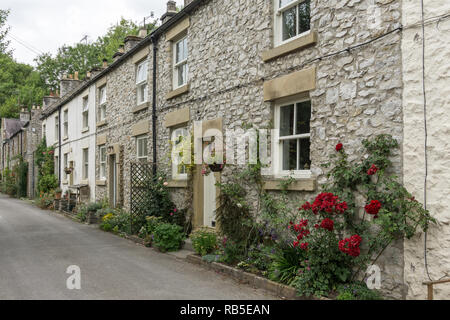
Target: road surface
(37, 247)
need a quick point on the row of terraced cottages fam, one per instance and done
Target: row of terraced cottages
(321, 72)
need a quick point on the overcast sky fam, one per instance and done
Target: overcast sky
(45, 25)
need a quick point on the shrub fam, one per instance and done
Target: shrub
(232, 252)
(45, 200)
(148, 230)
(47, 183)
(357, 291)
(82, 213)
(94, 206)
(204, 241)
(168, 237)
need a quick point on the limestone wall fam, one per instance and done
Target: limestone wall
(437, 64)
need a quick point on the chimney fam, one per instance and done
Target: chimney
(105, 63)
(119, 53)
(171, 11)
(76, 75)
(143, 32)
(130, 42)
(48, 101)
(25, 115)
(68, 85)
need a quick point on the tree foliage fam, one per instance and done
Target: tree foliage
(3, 32)
(83, 57)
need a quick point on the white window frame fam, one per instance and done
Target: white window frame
(57, 129)
(278, 22)
(102, 162)
(140, 83)
(85, 164)
(277, 146)
(176, 175)
(85, 113)
(139, 158)
(66, 164)
(180, 64)
(66, 123)
(102, 103)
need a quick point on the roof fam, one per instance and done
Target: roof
(12, 127)
(147, 40)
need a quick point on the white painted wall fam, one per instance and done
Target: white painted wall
(437, 64)
(77, 140)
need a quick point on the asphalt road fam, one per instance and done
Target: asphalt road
(37, 247)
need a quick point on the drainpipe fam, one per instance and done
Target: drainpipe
(154, 40)
(59, 153)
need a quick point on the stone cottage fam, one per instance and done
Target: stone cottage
(320, 72)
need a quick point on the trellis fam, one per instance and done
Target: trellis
(141, 174)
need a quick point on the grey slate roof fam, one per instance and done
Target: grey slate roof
(12, 126)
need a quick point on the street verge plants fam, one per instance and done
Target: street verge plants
(204, 241)
(168, 237)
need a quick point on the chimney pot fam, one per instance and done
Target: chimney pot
(171, 6)
(121, 48)
(76, 75)
(143, 32)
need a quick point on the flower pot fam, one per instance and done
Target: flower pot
(58, 195)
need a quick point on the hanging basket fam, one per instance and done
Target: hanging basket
(216, 167)
(68, 170)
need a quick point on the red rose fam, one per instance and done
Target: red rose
(373, 208)
(296, 243)
(373, 170)
(350, 245)
(339, 147)
(327, 224)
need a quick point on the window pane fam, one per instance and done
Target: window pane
(305, 161)
(304, 16)
(289, 23)
(289, 155)
(182, 74)
(287, 121)
(303, 117)
(102, 95)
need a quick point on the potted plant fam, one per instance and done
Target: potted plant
(92, 209)
(68, 170)
(58, 193)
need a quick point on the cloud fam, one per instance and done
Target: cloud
(46, 25)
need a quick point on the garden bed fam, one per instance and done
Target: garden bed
(275, 288)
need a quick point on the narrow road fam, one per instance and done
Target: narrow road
(37, 247)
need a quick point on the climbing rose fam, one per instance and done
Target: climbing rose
(373, 208)
(372, 170)
(327, 224)
(339, 147)
(350, 245)
(296, 243)
(329, 203)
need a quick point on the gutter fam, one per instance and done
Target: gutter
(154, 39)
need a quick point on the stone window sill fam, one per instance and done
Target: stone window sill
(304, 184)
(294, 45)
(100, 182)
(178, 92)
(65, 138)
(101, 123)
(142, 106)
(178, 184)
(65, 182)
(85, 130)
(84, 182)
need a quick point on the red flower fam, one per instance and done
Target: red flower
(329, 203)
(304, 246)
(373, 208)
(339, 147)
(350, 245)
(296, 243)
(306, 206)
(316, 226)
(327, 224)
(372, 170)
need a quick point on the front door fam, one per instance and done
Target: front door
(209, 200)
(112, 181)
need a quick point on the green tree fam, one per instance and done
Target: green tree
(4, 32)
(83, 57)
(20, 84)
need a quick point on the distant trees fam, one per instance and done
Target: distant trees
(3, 31)
(82, 57)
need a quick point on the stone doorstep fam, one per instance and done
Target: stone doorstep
(278, 289)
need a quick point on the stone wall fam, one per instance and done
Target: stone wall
(437, 66)
(34, 136)
(358, 93)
